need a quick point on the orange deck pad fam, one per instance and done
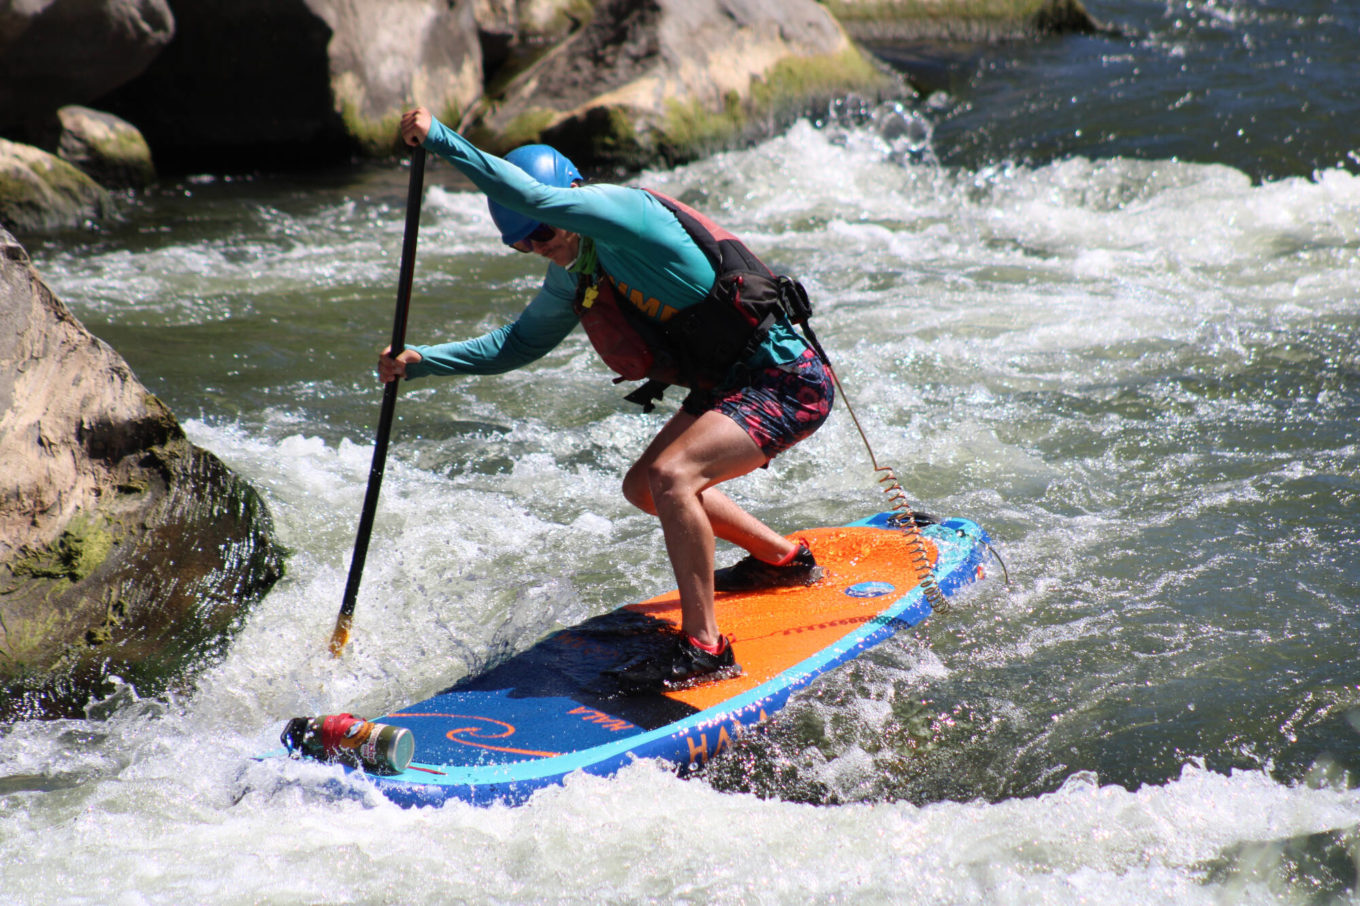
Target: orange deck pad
(773, 630)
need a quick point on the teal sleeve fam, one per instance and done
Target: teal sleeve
(645, 250)
(540, 327)
(607, 214)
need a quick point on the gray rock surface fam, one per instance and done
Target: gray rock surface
(298, 83)
(40, 191)
(108, 149)
(124, 549)
(59, 52)
(675, 78)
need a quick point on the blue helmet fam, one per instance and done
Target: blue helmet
(548, 166)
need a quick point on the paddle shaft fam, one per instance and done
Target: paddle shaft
(389, 404)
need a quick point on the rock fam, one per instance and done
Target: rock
(497, 31)
(673, 79)
(513, 32)
(58, 52)
(298, 83)
(124, 549)
(385, 56)
(880, 22)
(40, 192)
(549, 20)
(939, 44)
(542, 23)
(104, 147)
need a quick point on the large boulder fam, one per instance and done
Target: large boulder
(124, 549)
(270, 83)
(885, 22)
(40, 191)
(673, 79)
(385, 56)
(58, 52)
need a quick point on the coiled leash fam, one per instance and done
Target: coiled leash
(799, 309)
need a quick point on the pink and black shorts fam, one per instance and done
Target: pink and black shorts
(779, 407)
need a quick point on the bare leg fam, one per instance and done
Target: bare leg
(728, 521)
(674, 479)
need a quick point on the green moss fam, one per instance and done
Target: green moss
(44, 192)
(125, 147)
(24, 641)
(63, 178)
(115, 611)
(381, 137)
(128, 144)
(814, 77)
(51, 174)
(375, 138)
(964, 20)
(82, 548)
(689, 125)
(792, 85)
(14, 191)
(936, 10)
(134, 486)
(619, 136)
(157, 407)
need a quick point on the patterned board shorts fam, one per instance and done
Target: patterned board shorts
(779, 407)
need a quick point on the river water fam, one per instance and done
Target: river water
(1116, 331)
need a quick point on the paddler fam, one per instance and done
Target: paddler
(631, 244)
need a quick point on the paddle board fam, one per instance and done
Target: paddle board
(556, 708)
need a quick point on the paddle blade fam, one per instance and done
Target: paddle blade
(340, 637)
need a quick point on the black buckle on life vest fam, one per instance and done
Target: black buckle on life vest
(647, 395)
(794, 298)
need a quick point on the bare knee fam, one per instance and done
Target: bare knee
(637, 489)
(668, 482)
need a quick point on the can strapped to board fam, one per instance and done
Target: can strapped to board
(379, 748)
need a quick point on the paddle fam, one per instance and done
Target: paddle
(340, 637)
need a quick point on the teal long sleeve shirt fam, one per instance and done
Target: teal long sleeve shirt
(640, 244)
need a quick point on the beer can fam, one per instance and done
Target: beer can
(378, 748)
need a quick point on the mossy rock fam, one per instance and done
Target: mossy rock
(147, 588)
(624, 138)
(107, 149)
(40, 192)
(792, 88)
(664, 81)
(126, 550)
(887, 21)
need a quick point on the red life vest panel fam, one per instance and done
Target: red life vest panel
(622, 339)
(700, 346)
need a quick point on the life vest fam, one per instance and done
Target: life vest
(702, 346)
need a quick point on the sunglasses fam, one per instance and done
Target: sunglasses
(541, 233)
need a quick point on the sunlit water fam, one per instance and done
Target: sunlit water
(1141, 375)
